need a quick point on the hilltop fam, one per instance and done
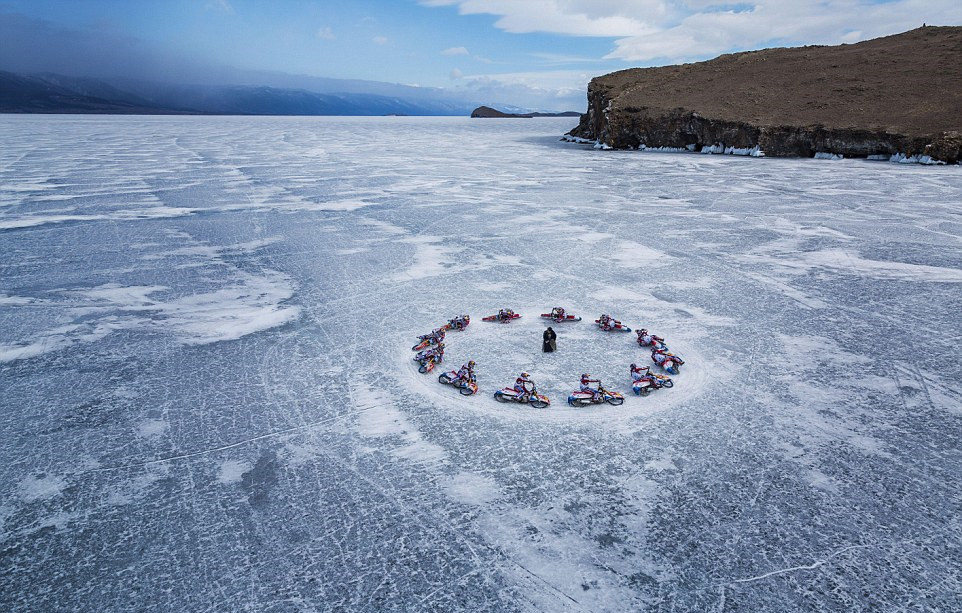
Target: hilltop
(891, 95)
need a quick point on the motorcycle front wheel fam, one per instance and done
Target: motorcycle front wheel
(537, 403)
(466, 391)
(423, 368)
(613, 401)
(668, 383)
(443, 378)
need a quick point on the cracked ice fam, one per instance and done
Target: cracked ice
(209, 402)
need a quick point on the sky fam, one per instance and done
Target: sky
(529, 53)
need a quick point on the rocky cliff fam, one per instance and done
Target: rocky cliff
(898, 95)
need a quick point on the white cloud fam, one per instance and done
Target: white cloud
(326, 33)
(379, 40)
(456, 74)
(455, 51)
(773, 23)
(556, 90)
(220, 5)
(608, 18)
(684, 30)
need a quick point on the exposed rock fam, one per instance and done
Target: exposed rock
(488, 112)
(900, 94)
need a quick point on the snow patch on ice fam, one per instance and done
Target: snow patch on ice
(41, 487)
(472, 488)
(352, 251)
(378, 417)
(155, 212)
(6, 300)
(62, 337)
(820, 480)
(629, 254)
(232, 471)
(431, 259)
(382, 226)
(152, 428)
(846, 261)
(251, 304)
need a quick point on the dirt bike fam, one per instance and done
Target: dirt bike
(672, 363)
(559, 320)
(451, 378)
(427, 343)
(503, 320)
(456, 324)
(427, 363)
(655, 341)
(583, 399)
(509, 394)
(613, 326)
(644, 386)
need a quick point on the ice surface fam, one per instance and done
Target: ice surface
(209, 402)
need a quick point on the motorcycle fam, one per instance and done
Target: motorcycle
(426, 363)
(613, 326)
(644, 386)
(427, 342)
(503, 319)
(646, 339)
(562, 319)
(458, 323)
(509, 394)
(451, 378)
(672, 363)
(583, 399)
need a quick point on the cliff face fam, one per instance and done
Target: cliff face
(895, 95)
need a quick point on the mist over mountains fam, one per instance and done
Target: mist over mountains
(46, 68)
(55, 93)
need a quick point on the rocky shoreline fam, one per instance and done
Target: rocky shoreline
(833, 109)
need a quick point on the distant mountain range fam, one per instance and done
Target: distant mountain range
(52, 93)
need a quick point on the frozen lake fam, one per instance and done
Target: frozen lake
(209, 403)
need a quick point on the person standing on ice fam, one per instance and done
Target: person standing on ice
(549, 344)
(586, 382)
(524, 386)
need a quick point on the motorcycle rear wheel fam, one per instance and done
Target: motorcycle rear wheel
(500, 397)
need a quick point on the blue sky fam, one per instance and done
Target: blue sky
(538, 53)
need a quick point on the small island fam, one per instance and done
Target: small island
(488, 112)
